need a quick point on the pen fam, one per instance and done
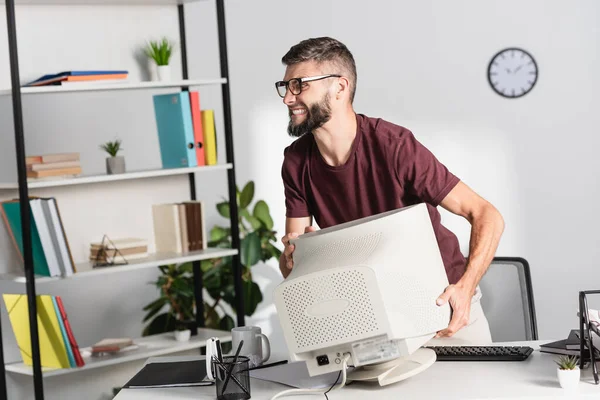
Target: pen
(219, 354)
(230, 372)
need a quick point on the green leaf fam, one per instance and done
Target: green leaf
(218, 233)
(250, 249)
(211, 318)
(205, 265)
(186, 268)
(164, 269)
(252, 297)
(183, 288)
(226, 323)
(155, 309)
(247, 195)
(261, 211)
(223, 209)
(254, 222)
(162, 323)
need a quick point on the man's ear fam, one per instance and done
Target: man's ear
(342, 87)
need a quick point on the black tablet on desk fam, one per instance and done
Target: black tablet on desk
(170, 374)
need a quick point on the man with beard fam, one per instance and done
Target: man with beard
(346, 166)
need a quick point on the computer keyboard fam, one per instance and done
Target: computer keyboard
(481, 353)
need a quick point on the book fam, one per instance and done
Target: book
(54, 172)
(111, 345)
(53, 352)
(65, 75)
(11, 214)
(63, 331)
(167, 230)
(175, 130)
(198, 129)
(74, 346)
(210, 136)
(170, 374)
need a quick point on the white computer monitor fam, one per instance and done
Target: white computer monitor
(365, 289)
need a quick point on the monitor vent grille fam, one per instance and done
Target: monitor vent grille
(354, 321)
(344, 252)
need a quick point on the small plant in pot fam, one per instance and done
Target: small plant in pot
(115, 164)
(160, 52)
(176, 286)
(568, 372)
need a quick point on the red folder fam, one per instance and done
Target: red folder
(76, 353)
(198, 131)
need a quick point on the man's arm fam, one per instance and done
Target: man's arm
(487, 226)
(294, 227)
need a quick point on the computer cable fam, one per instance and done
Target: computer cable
(291, 392)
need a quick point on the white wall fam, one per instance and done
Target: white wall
(423, 65)
(420, 64)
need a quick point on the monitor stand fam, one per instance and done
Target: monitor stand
(395, 370)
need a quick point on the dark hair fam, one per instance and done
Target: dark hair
(323, 50)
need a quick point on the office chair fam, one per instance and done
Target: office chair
(507, 300)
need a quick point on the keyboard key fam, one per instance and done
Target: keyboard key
(481, 353)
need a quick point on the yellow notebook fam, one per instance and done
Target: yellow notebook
(53, 353)
(210, 136)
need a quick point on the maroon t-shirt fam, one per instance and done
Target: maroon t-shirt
(387, 169)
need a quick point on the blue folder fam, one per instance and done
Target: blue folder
(175, 130)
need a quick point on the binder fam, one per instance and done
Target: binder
(175, 130)
(53, 353)
(198, 130)
(11, 213)
(210, 136)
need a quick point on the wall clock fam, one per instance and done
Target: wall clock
(512, 72)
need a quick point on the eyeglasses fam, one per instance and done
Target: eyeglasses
(586, 335)
(295, 84)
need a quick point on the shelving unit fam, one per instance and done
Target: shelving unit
(101, 86)
(151, 346)
(80, 180)
(85, 270)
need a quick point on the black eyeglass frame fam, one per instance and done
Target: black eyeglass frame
(585, 337)
(300, 81)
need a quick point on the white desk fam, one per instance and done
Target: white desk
(534, 378)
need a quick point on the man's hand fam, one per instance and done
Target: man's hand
(289, 249)
(459, 297)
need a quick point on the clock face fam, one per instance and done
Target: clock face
(512, 73)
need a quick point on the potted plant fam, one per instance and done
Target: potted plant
(160, 52)
(176, 286)
(115, 164)
(568, 372)
(257, 244)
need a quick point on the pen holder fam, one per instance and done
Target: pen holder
(233, 378)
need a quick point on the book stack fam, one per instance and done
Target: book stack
(50, 247)
(179, 227)
(186, 134)
(64, 165)
(118, 251)
(79, 77)
(569, 346)
(112, 346)
(58, 347)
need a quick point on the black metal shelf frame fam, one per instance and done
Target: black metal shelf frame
(24, 192)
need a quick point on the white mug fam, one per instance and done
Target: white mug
(256, 345)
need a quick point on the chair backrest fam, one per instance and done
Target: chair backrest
(507, 300)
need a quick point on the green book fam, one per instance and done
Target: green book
(12, 210)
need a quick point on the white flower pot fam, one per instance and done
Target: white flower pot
(115, 165)
(163, 72)
(569, 378)
(183, 336)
